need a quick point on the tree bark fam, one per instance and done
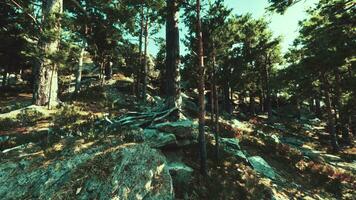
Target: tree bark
(138, 69)
(298, 102)
(215, 107)
(108, 70)
(4, 78)
(201, 87)
(330, 117)
(46, 88)
(145, 61)
(317, 107)
(252, 103)
(172, 85)
(78, 75)
(267, 87)
(343, 119)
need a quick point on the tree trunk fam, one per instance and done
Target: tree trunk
(145, 61)
(226, 96)
(46, 89)
(215, 108)
(262, 101)
(252, 103)
(311, 105)
(78, 75)
(108, 70)
(317, 107)
(138, 69)
(330, 117)
(172, 85)
(4, 78)
(297, 102)
(267, 87)
(343, 119)
(201, 86)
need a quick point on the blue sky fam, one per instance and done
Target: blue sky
(282, 25)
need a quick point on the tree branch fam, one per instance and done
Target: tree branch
(28, 14)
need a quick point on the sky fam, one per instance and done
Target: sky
(285, 25)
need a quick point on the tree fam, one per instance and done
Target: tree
(172, 74)
(201, 88)
(46, 86)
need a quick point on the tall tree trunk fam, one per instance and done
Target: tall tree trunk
(78, 75)
(4, 77)
(311, 105)
(252, 103)
(343, 119)
(317, 107)
(298, 102)
(145, 61)
(108, 70)
(138, 69)
(330, 118)
(201, 87)
(173, 91)
(215, 107)
(46, 88)
(267, 87)
(262, 100)
(226, 96)
(102, 76)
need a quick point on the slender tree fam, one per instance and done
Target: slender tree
(201, 89)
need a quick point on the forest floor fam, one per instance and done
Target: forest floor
(297, 151)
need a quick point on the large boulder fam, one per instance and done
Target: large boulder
(85, 170)
(182, 175)
(157, 139)
(231, 146)
(261, 166)
(183, 129)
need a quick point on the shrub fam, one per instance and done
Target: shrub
(28, 117)
(66, 116)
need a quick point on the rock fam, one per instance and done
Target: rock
(42, 110)
(292, 141)
(158, 139)
(185, 142)
(181, 175)
(231, 146)
(99, 169)
(181, 129)
(261, 166)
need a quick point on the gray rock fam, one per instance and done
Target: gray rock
(261, 166)
(181, 129)
(87, 170)
(232, 146)
(181, 175)
(292, 141)
(157, 139)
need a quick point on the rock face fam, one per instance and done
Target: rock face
(85, 170)
(261, 166)
(232, 146)
(181, 129)
(181, 175)
(158, 139)
(171, 134)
